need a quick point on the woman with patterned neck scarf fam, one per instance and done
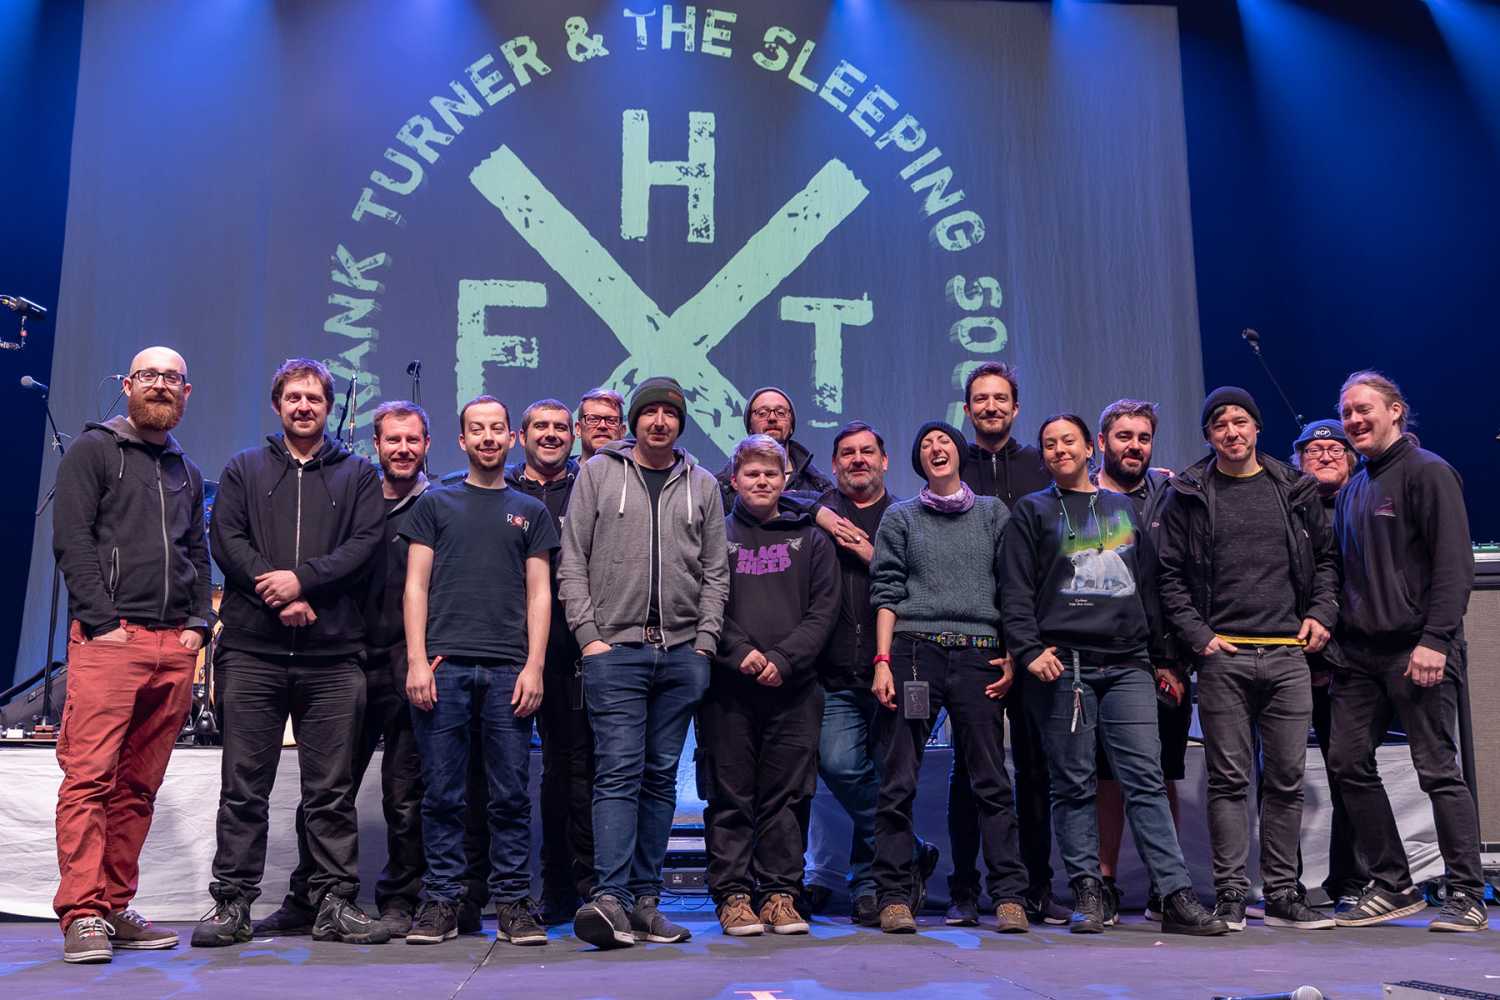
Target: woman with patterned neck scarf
(933, 584)
(1077, 619)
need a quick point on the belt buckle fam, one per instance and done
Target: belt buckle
(654, 636)
(952, 640)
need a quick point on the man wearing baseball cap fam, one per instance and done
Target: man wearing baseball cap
(1248, 580)
(1322, 451)
(644, 577)
(769, 411)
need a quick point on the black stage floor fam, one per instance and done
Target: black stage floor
(837, 960)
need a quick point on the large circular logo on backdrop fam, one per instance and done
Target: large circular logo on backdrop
(716, 195)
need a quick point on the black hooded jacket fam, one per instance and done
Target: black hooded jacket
(1185, 549)
(322, 519)
(562, 648)
(127, 529)
(783, 595)
(1009, 474)
(806, 479)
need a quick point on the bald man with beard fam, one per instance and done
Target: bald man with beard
(128, 533)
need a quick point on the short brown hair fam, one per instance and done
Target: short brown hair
(759, 446)
(401, 408)
(1000, 369)
(542, 404)
(1126, 408)
(602, 395)
(1389, 391)
(295, 368)
(484, 398)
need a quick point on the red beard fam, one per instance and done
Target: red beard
(155, 414)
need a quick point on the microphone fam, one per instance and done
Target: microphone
(25, 307)
(1252, 338)
(1300, 993)
(414, 370)
(27, 382)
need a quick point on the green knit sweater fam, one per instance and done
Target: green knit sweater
(938, 572)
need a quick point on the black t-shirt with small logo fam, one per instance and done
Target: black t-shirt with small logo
(481, 539)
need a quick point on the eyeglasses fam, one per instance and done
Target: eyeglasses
(779, 412)
(595, 420)
(1334, 451)
(149, 376)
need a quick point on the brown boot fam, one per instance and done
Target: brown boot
(896, 918)
(87, 940)
(135, 932)
(737, 919)
(1012, 918)
(780, 915)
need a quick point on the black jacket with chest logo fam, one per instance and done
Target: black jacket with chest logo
(322, 519)
(1403, 531)
(127, 529)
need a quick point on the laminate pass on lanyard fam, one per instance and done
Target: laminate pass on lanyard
(1077, 694)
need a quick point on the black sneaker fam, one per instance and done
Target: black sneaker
(1461, 913)
(814, 899)
(1153, 906)
(435, 922)
(1379, 905)
(963, 912)
(469, 916)
(396, 918)
(648, 924)
(1229, 906)
(1113, 897)
(291, 919)
(519, 923)
(1088, 915)
(1183, 914)
(865, 912)
(928, 857)
(1047, 910)
(342, 920)
(603, 923)
(229, 923)
(1288, 908)
(558, 906)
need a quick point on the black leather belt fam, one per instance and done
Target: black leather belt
(654, 636)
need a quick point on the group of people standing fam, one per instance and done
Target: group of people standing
(810, 627)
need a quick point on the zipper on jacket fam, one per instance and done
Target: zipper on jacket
(114, 572)
(660, 535)
(166, 548)
(297, 542)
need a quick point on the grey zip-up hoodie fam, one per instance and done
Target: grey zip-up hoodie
(604, 576)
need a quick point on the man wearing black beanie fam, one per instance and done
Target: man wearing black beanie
(1248, 578)
(769, 411)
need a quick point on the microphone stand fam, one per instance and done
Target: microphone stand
(1253, 339)
(415, 371)
(46, 725)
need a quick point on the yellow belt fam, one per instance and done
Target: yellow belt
(1245, 640)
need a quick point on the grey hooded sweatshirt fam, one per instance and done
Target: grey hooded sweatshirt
(604, 575)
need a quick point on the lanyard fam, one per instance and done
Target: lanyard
(1077, 694)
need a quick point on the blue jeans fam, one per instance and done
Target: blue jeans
(466, 691)
(846, 763)
(1119, 710)
(640, 700)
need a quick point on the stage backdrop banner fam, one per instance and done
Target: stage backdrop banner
(857, 201)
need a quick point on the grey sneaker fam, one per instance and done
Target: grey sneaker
(229, 923)
(87, 941)
(603, 923)
(1461, 913)
(134, 932)
(648, 924)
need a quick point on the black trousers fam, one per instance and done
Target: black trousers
(387, 717)
(1347, 875)
(1365, 697)
(957, 679)
(1033, 792)
(567, 797)
(325, 699)
(761, 763)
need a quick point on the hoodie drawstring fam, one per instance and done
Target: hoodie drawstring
(323, 478)
(688, 475)
(122, 461)
(624, 485)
